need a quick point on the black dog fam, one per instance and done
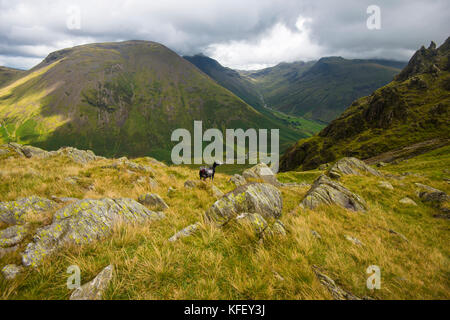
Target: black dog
(208, 172)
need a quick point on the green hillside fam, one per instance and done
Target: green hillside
(412, 109)
(321, 90)
(9, 74)
(120, 99)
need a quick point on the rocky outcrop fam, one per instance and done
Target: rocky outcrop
(186, 232)
(431, 195)
(79, 156)
(260, 198)
(153, 200)
(263, 172)
(351, 166)
(12, 236)
(15, 212)
(82, 222)
(328, 192)
(94, 289)
(217, 192)
(261, 227)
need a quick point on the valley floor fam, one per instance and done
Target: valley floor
(408, 244)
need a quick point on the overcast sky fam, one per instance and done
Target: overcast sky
(242, 34)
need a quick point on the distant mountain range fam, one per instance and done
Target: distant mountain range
(414, 108)
(119, 99)
(317, 90)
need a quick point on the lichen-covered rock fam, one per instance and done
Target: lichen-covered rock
(12, 236)
(261, 171)
(432, 195)
(153, 200)
(238, 180)
(11, 271)
(33, 152)
(407, 201)
(15, 212)
(186, 232)
(261, 198)
(326, 191)
(353, 240)
(261, 226)
(351, 166)
(94, 289)
(83, 222)
(385, 185)
(79, 156)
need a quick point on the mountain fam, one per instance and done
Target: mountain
(8, 74)
(120, 99)
(410, 112)
(321, 90)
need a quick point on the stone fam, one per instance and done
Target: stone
(171, 192)
(328, 192)
(217, 192)
(385, 185)
(148, 181)
(261, 227)
(381, 164)
(11, 271)
(353, 240)
(12, 236)
(189, 184)
(316, 234)
(408, 201)
(82, 222)
(153, 200)
(78, 156)
(260, 198)
(263, 172)
(351, 166)
(16, 212)
(430, 194)
(186, 232)
(337, 292)
(94, 289)
(238, 180)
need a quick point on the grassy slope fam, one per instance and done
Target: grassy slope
(120, 99)
(8, 74)
(231, 263)
(400, 114)
(322, 90)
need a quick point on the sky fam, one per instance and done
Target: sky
(241, 34)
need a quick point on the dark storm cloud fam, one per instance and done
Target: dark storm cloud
(239, 33)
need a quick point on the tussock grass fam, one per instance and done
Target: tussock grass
(232, 263)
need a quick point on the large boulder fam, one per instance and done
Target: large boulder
(79, 156)
(261, 198)
(432, 195)
(238, 180)
(83, 222)
(328, 192)
(94, 289)
(15, 212)
(351, 166)
(263, 172)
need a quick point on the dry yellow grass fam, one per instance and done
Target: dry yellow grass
(231, 263)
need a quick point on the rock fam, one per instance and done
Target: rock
(171, 192)
(278, 276)
(316, 234)
(217, 192)
(189, 184)
(263, 172)
(33, 152)
(429, 194)
(83, 222)
(351, 166)
(261, 198)
(11, 271)
(15, 212)
(79, 156)
(337, 292)
(398, 234)
(94, 290)
(186, 232)
(148, 181)
(354, 240)
(153, 200)
(326, 191)
(238, 180)
(408, 201)
(12, 236)
(261, 227)
(72, 180)
(138, 167)
(4, 152)
(385, 185)
(381, 164)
